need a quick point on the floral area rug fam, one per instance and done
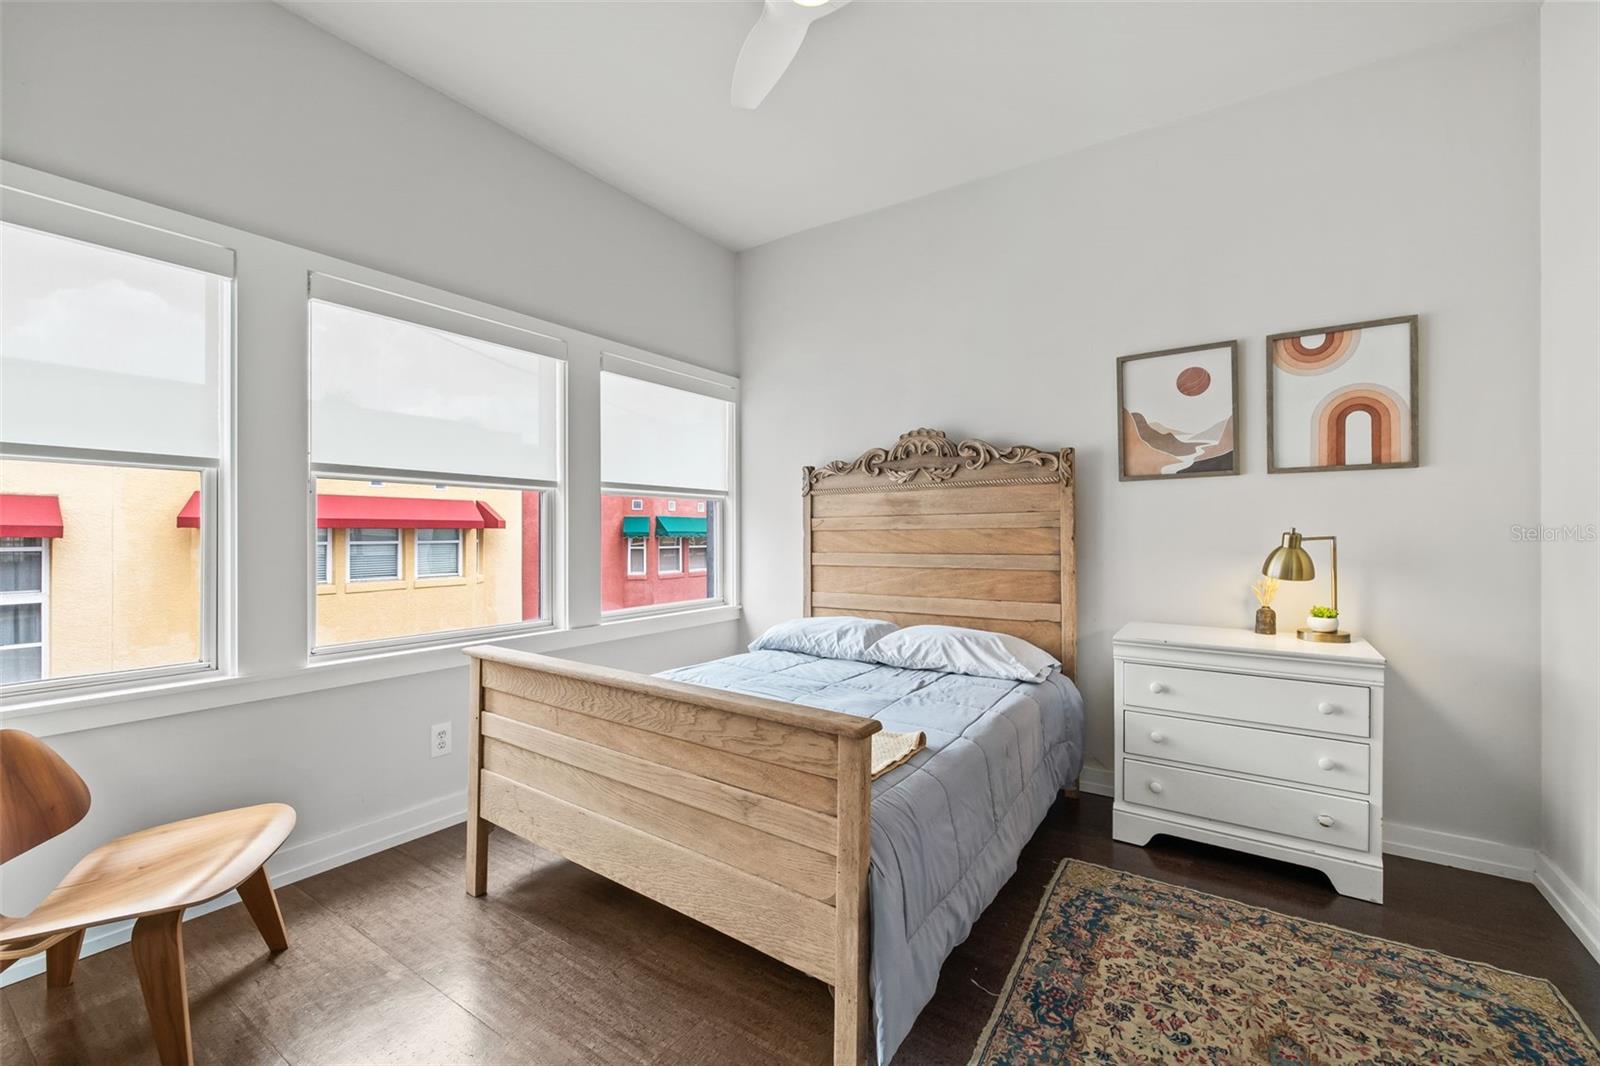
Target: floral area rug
(1125, 970)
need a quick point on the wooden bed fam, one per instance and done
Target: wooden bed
(752, 815)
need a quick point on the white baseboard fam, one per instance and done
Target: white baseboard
(293, 863)
(1463, 852)
(1580, 912)
(1097, 780)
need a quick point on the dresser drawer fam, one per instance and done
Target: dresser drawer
(1333, 820)
(1316, 761)
(1327, 708)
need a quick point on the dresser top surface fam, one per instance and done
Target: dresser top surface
(1217, 638)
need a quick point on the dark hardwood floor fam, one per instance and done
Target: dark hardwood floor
(390, 962)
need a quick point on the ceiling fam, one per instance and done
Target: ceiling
(886, 101)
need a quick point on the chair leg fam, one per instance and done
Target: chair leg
(262, 903)
(158, 957)
(60, 959)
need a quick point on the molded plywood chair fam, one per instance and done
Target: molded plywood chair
(151, 876)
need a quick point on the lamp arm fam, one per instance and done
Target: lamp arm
(1335, 579)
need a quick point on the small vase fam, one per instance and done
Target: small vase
(1322, 625)
(1266, 621)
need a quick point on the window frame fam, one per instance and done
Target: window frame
(29, 597)
(664, 545)
(433, 309)
(122, 229)
(643, 546)
(322, 544)
(705, 555)
(725, 577)
(416, 549)
(349, 553)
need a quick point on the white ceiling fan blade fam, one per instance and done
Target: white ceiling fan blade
(766, 54)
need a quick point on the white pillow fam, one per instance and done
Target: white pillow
(826, 638)
(954, 650)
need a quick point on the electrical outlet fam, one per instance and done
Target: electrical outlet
(439, 740)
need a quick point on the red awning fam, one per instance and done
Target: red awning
(29, 516)
(402, 512)
(491, 517)
(189, 517)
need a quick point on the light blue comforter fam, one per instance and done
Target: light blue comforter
(948, 825)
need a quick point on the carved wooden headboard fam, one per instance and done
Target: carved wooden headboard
(935, 532)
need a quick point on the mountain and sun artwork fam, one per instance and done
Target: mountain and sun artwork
(1180, 412)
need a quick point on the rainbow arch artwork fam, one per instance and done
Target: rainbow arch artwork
(1343, 397)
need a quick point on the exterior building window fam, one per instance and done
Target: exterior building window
(411, 460)
(373, 555)
(24, 564)
(665, 462)
(438, 553)
(324, 539)
(669, 555)
(107, 352)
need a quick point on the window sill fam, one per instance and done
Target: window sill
(58, 714)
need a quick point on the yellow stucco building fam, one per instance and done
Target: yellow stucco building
(113, 581)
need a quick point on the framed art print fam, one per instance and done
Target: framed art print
(1343, 397)
(1179, 412)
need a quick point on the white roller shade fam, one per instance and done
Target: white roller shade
(108, 350)
(390, 394)
(653, 434)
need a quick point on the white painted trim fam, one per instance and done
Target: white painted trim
(1097, 780)
(54, 717)
(1581, 913)
(1462, 852)
(293, 863)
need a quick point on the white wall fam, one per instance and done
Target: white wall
(249, 116)
(998, 310)
(1569, 441)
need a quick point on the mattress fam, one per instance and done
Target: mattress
(948, 825)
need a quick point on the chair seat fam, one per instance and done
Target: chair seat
(170, 867)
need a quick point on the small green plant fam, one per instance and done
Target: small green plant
(1324, 612)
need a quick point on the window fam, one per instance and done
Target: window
(24, 562)
(425, 424)
(675, 440)
(669, 555)
(374, 554)
(113, 420)
(324, 540)
(438, 553)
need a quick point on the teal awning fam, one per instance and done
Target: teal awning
(637, 526)
(673, 526)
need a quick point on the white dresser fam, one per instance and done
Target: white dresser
(1271, 745)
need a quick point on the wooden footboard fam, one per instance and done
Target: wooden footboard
(747, 814)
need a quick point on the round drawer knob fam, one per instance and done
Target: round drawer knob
(1326, 708)
(1157, 687)
(1325, 820)
(1154, 786)
(1326, 763)
(1157, 737)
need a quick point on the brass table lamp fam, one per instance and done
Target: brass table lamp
(1290, 562)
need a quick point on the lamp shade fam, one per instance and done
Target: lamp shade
(1289, 561)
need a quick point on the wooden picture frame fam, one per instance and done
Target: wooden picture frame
(1140, 439)
(1393, 432)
